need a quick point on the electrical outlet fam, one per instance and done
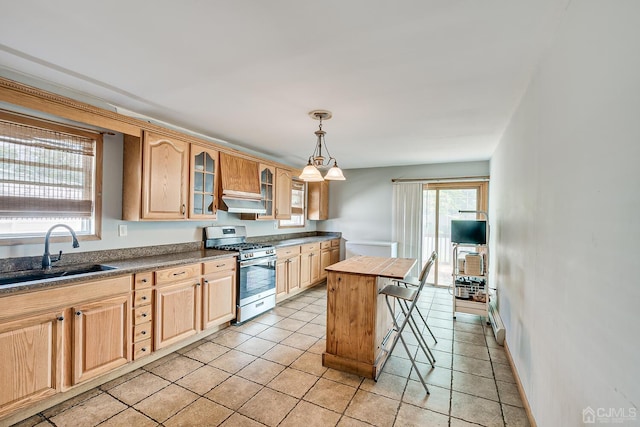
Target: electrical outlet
(122, 230)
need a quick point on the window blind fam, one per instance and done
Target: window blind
(45, 173)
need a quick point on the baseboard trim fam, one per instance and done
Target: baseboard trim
(523, 396)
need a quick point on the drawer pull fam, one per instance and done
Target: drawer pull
(260, 303)
(143, 332)
(143, 349)
(144, 315)
(144, 298)
(144, 280)
(220, 265)
(180, 274)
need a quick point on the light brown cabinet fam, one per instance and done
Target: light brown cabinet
(218, 292)
(283, 194)
(287, 270)
(142, 319)
(318, 200)
(31, 355)
(101, 339)
(309, 264)
(335, 251)
(203, 182)
(165, 166)
(177, 304)
(155, 178)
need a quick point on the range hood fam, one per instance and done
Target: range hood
(240, 185)
(237, 205)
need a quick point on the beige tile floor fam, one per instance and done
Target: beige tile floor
(269, 372)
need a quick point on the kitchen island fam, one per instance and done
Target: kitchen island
(358, 321)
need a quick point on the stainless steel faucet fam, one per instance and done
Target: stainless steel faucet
(46, 257)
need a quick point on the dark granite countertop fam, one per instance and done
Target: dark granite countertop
(123, 267)
(129, 261)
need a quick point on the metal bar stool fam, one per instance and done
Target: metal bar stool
(415, 283)
(407, 299)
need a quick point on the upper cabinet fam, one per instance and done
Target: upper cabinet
(203, 203)
(155, 178)
(318, 200)
(165, 163)
(283, 194)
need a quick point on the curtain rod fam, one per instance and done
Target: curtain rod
(427, 180)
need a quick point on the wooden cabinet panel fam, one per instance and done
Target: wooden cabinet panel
(309, 264)
(283, 194)
(218, 298)
(173, 274)
(325, 261)
(287, 271)
(203, 183)
(31, 355)
(101, 337)
(165, 172)
(143, 280)
(318, 200)
(176, 312)
(222, 264)
(141, 349)
(239, 176)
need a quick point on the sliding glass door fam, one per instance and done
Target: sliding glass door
(441, 203)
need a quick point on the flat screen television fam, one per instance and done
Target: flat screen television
(469, 232)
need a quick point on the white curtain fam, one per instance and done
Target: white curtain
(407, 222)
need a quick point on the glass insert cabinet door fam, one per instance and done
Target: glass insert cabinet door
(267, 180)
(203, 182)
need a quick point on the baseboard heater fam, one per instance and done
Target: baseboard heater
(496, 323)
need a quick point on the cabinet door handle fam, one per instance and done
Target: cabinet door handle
(197, 283)
(206, 282)
(60, 318)
(78, 313)
(184, 209)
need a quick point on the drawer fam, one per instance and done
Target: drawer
(142, 297)
(288, 251)
(141, 349)
(335, 243)
(310, 247)
(143, 280)
(142, 332)
(219, 265)
(142, 314)
(175, 274)
(325, 245)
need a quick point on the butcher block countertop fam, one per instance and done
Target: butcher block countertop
(394, 268)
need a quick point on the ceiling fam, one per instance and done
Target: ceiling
(408, 82)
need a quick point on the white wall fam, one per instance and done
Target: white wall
(141, 233)
(360, 207)
(565, 202)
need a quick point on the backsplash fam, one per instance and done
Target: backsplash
(102, 257)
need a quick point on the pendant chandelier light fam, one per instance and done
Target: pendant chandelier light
(317, 161)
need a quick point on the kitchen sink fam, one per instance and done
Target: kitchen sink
(33, 275)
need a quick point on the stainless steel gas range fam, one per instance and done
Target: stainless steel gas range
(256, 278)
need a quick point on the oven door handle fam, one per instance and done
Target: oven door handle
(256, 261)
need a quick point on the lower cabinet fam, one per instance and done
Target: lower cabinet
(101, 337)
(218, 292)
(309, 264)
(287, 270)
(31, 355)
(176, 312)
